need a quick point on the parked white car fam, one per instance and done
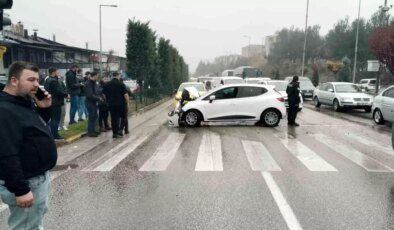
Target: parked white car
(383, 106)
(236, 102)
(281, 87)
(342, 95)
(368, 84)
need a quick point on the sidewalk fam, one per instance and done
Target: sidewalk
(79, 147)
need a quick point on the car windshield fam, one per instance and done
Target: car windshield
(234, 81)
(199, 87)
(372, 82)
(347, 88)
(306, 83)
(279, 86)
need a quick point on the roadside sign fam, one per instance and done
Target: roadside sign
(373, 66)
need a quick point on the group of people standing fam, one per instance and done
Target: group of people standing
(90, 98)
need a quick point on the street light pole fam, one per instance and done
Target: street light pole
(101, 48)
(356, 47)
(306, 31)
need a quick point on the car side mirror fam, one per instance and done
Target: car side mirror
(211, 98)
(330, 90)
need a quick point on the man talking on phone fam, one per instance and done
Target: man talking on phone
(27, 150)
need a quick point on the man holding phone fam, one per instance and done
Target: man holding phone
(28, 150)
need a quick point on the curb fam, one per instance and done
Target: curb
(76, 137)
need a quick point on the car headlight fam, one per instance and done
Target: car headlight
(346, 99)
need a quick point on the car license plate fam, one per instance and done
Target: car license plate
(362, 103)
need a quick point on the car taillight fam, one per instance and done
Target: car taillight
(281, 99)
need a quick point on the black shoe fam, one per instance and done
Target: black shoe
(116, 136)
(102, 130)
(98, 132)
(92, 135)
(120, 134)
(72, 122)
(126, 132)
(296, 124)
(80, 119)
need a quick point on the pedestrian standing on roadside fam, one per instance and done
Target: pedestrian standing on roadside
(293, 95)
(81, 97)
(27, 149)
(115, 93)
(124, 121)
(92, 98)
(58, 94)
(103, 108)
(62, 125)
(74, 89)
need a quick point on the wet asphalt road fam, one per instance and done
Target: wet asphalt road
(332, 172)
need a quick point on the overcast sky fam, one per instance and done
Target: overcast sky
(200, 29)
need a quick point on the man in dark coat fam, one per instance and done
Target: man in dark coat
(53, 86)
(115, 93)
(293, 95)
(92, 98)
(74, 89)
(27, 149)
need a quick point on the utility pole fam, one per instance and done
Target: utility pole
(356, 47)
(306, 31)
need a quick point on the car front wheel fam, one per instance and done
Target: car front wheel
(336, 105)
(378, 117)
(192, 118)
(316, 102)
(270, 118)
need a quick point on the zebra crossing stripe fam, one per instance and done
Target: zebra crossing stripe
(307, 157)
(210, 153)
(164, 154)
(352, 154)
(109, 164)
(284, 207)
(259, 157)
(377, 146)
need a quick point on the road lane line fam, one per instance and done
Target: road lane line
(367, 141)
(284, 207)
(307, 157)
(107, 156)
(210, 153)
(164, 153)
(109, 164)
(352, 154)
(259, 157)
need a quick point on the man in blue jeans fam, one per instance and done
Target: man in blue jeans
(53, 86)
(74, 89)
(27, 149)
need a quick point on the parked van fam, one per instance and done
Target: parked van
(228, 72)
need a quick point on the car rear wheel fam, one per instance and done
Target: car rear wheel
(378, 117)
(336, 105)
(316, 102)
(192, 118)
(270, 118)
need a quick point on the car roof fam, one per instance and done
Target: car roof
(340, 83)
(192, 83)
(248, 85)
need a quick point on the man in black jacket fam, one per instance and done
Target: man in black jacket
(115, 93)
(27, 150)
(293, 95)
(58, 94)
(92, 97)
(74, 89)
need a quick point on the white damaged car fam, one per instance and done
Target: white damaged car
(232, 103)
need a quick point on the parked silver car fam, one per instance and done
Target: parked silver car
(383, 106)
(342, 95)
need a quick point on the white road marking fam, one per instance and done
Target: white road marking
(164, 154)
(109, 164)
(374, 144)
(307, 157)
(284, 207)
(259, 157)
(107, 156)
(210, 153)
(352, 154)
